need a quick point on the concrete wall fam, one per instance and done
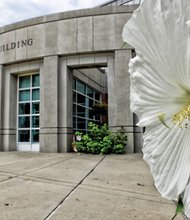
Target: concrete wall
(54, 45)
(83, 31)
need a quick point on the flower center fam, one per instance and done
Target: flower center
(182, 116)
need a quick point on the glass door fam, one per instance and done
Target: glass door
(28, 112)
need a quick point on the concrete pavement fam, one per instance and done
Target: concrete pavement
(41, 186)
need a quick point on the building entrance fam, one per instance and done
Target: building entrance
(28, 119)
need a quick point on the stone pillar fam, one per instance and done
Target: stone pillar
(119, 96)
(1, 106)
(138, 142)
(65, 106)
(9, 111)
(49, 105)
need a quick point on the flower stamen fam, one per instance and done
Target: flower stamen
(181, 116)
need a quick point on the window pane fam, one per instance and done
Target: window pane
(90, 103)
(24, 95)
(97, 117)
(81, 111)
(24, 108)
(35, 136)
(97, 96)
(74, 109)
(35, 122)
(81, 99)
(35, 80)
(91, 115)
(80, 87)
(24, 82)
(35, 108)
(74, 122)
(24, 136)
(90, 92)
(24, 122)
(74, 97)
(81, 123)
(35, 94)
(74, 84)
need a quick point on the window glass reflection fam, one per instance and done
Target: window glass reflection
(91, 115)
(81, 99)
(24, 95)
(74, 84)
(97, 96)
(35, 122)
(35, 136)
(35, 94)
(24, 108)
(74, 109)
(36, 80)
(24, 122)
(80, 87)
(81, 123)
(74, 122)
(24, 82)
(90, 92)
(24, 136)
(81, 111)
(35, 108)
(74, 97)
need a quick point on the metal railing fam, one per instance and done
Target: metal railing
(120, 2)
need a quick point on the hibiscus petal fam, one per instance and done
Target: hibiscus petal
(167, 153)
(159, 32)
(150, 94)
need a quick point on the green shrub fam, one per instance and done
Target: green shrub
(118, 149)
(119, 140)
(100, 140)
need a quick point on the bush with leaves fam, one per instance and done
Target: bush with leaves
(100, 140)
(119, 140)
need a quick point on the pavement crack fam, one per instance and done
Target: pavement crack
(16, 175)
(72, 191)
(41, 168)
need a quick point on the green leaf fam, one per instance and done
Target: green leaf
(179, 208)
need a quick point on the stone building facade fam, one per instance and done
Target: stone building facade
(39, 60)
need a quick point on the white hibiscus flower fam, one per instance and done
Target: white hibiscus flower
(159, 30)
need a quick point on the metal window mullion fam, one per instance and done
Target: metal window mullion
(23, 129)
(18, 81)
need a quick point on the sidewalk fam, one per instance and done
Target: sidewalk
(41, 186)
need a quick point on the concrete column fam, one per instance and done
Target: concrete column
(65, 106)
(49, 105)
(138, 142)
(1, 105)
(9, 111)
(119, 96)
